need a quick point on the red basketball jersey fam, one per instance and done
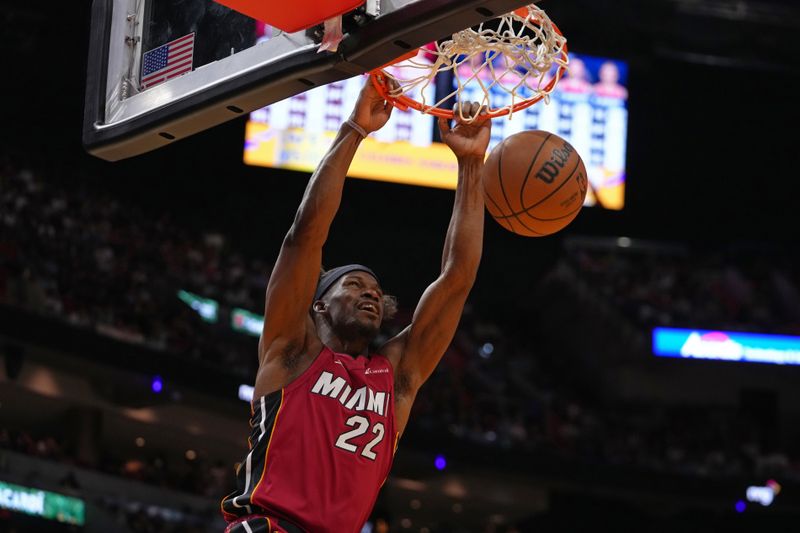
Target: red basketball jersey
(321, 447)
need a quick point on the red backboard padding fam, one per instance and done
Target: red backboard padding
(292, 15)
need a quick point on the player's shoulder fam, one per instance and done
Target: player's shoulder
(394, 348)
(283, 361)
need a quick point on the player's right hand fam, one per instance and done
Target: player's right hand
(371, 111)
(470, 135)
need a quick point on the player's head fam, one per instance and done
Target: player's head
(577, 69)
(350, 299)
(609, 73)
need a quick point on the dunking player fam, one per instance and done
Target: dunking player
(327, 414)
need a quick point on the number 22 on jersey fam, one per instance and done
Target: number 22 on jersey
(360, 425)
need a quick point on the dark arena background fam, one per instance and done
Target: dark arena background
(127, 288)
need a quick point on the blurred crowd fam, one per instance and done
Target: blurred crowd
(73, 253)
(138, 518)
(743, 288)
(491, 392)
(195, 475)
(100, 263)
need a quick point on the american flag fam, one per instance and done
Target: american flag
(167, 61)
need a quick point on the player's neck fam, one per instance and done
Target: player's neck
(347, 339)
(352, 347)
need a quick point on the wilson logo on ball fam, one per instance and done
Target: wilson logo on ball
(558, 159)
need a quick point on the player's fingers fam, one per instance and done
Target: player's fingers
(466, 111)
(486, 122)
(444, 125)
(463, 112)
(375, 78)
(483, 116)
(469, 111)
(458, 109)
(375, 87)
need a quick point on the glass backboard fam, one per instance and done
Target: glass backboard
(162, 70)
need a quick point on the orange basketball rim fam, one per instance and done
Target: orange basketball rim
(507, 64)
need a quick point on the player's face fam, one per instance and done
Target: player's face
(609, 73)
(576, 69)
(357, 302)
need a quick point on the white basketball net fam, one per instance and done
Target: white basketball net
(506, 67)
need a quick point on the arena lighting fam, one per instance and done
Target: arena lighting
(740, 506)
(764, 495)
(42, 503)
(246, 393)
(207, 308)
(624, 242)
(440, 462)
(157, 385)
(244, 321)
(726, 346)
(486, 350)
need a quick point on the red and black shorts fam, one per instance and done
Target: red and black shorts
(261, 524)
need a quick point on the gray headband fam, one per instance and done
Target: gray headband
(330, 277)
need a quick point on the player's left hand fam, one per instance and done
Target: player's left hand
(371, 111)
(470, 135)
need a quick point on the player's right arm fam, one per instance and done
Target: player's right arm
(296, 272)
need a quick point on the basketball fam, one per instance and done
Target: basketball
(534, 183)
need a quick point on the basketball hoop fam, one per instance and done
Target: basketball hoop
(506, 64)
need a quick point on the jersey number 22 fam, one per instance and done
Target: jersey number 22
(360, 425)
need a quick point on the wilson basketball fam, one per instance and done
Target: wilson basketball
(534, 183)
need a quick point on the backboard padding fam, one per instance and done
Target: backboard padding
(289, 16)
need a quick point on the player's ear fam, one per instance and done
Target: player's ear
(319, 306)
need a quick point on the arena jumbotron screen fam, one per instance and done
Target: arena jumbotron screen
(588, 108)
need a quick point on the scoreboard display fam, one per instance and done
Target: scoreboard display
(588, 108)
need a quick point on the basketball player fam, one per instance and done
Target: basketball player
(609, 85)
(327, 413)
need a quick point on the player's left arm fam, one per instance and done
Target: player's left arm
(417, 350)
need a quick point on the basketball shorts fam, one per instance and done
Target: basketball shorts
(261, 524)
